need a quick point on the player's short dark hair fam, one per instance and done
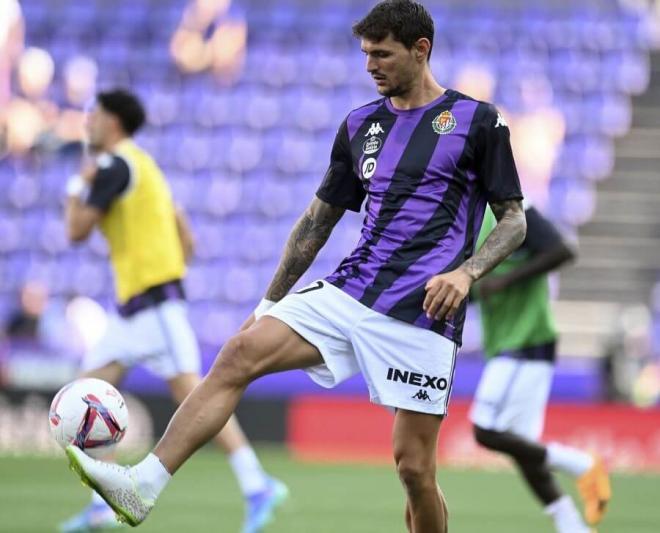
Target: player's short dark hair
(406, 20)
(125, 106)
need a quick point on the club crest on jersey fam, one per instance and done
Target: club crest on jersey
(374, 129)
(444, 123)
(371, 145)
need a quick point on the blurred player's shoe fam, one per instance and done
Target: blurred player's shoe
(261, 506)
(595, 490)
(115, 484)
(94, 517)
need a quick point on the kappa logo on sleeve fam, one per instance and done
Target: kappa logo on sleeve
(501, 121)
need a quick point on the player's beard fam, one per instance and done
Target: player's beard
(394, 91)
(400, 89)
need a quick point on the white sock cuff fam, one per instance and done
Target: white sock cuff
(569, 460)
(248, 471)
(558, 505)
(152, 476)
(565, 515)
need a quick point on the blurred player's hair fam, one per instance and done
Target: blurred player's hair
(406, 20)
(125, 106)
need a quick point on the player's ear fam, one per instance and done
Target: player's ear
(421, 49)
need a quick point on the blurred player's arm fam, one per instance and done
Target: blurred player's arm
(308, 236)
(185, 234)
(80, 218)
(548, 249)
(91, 193)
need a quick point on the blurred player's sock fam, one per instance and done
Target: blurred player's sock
(566, 517)
(261, 506)
(569, 460)
(98, 501)
(97, 516)
(248, 471)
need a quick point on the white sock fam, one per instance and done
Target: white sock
(566, 517)
(151, 476)
(569, 460)
(248, 471)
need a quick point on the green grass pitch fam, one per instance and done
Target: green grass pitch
(36, 493)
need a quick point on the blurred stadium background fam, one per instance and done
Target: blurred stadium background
(244, 98)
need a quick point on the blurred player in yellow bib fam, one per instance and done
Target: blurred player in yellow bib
(125, 195)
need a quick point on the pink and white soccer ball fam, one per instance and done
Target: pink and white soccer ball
(89, 413)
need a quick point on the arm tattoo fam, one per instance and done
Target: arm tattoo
(306, 239)
(508, 235)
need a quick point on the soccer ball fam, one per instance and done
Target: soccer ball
(89, 413)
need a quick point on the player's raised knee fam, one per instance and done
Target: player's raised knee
(235, 363)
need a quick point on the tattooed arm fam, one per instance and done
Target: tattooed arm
(445, 292)
(506, 237)
(306, 239)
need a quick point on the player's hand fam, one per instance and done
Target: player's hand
(88, 172)
(445, 293)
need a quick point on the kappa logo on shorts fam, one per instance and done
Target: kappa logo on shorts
(416, 379)
(421, 395)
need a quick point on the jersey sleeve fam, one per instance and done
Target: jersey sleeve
(495, 165)
(542, 235)
(341, 186)
(112, 179)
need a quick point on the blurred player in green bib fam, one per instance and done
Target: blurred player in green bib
(519, 339)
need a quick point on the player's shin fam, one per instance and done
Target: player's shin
(199, 418)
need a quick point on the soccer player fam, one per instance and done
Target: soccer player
(509, 406)
(428, 159)
(125, 194)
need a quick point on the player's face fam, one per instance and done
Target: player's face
(393, 67)
(97, 124)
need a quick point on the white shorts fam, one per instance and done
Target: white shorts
(403, 365)
(159, 337)
(512, 396)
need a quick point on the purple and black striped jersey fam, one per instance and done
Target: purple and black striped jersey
(427, 174)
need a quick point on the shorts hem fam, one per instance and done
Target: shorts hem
(429, 409)
(314, 375)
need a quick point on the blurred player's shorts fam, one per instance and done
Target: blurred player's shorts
(512, 396)
(158, 337)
